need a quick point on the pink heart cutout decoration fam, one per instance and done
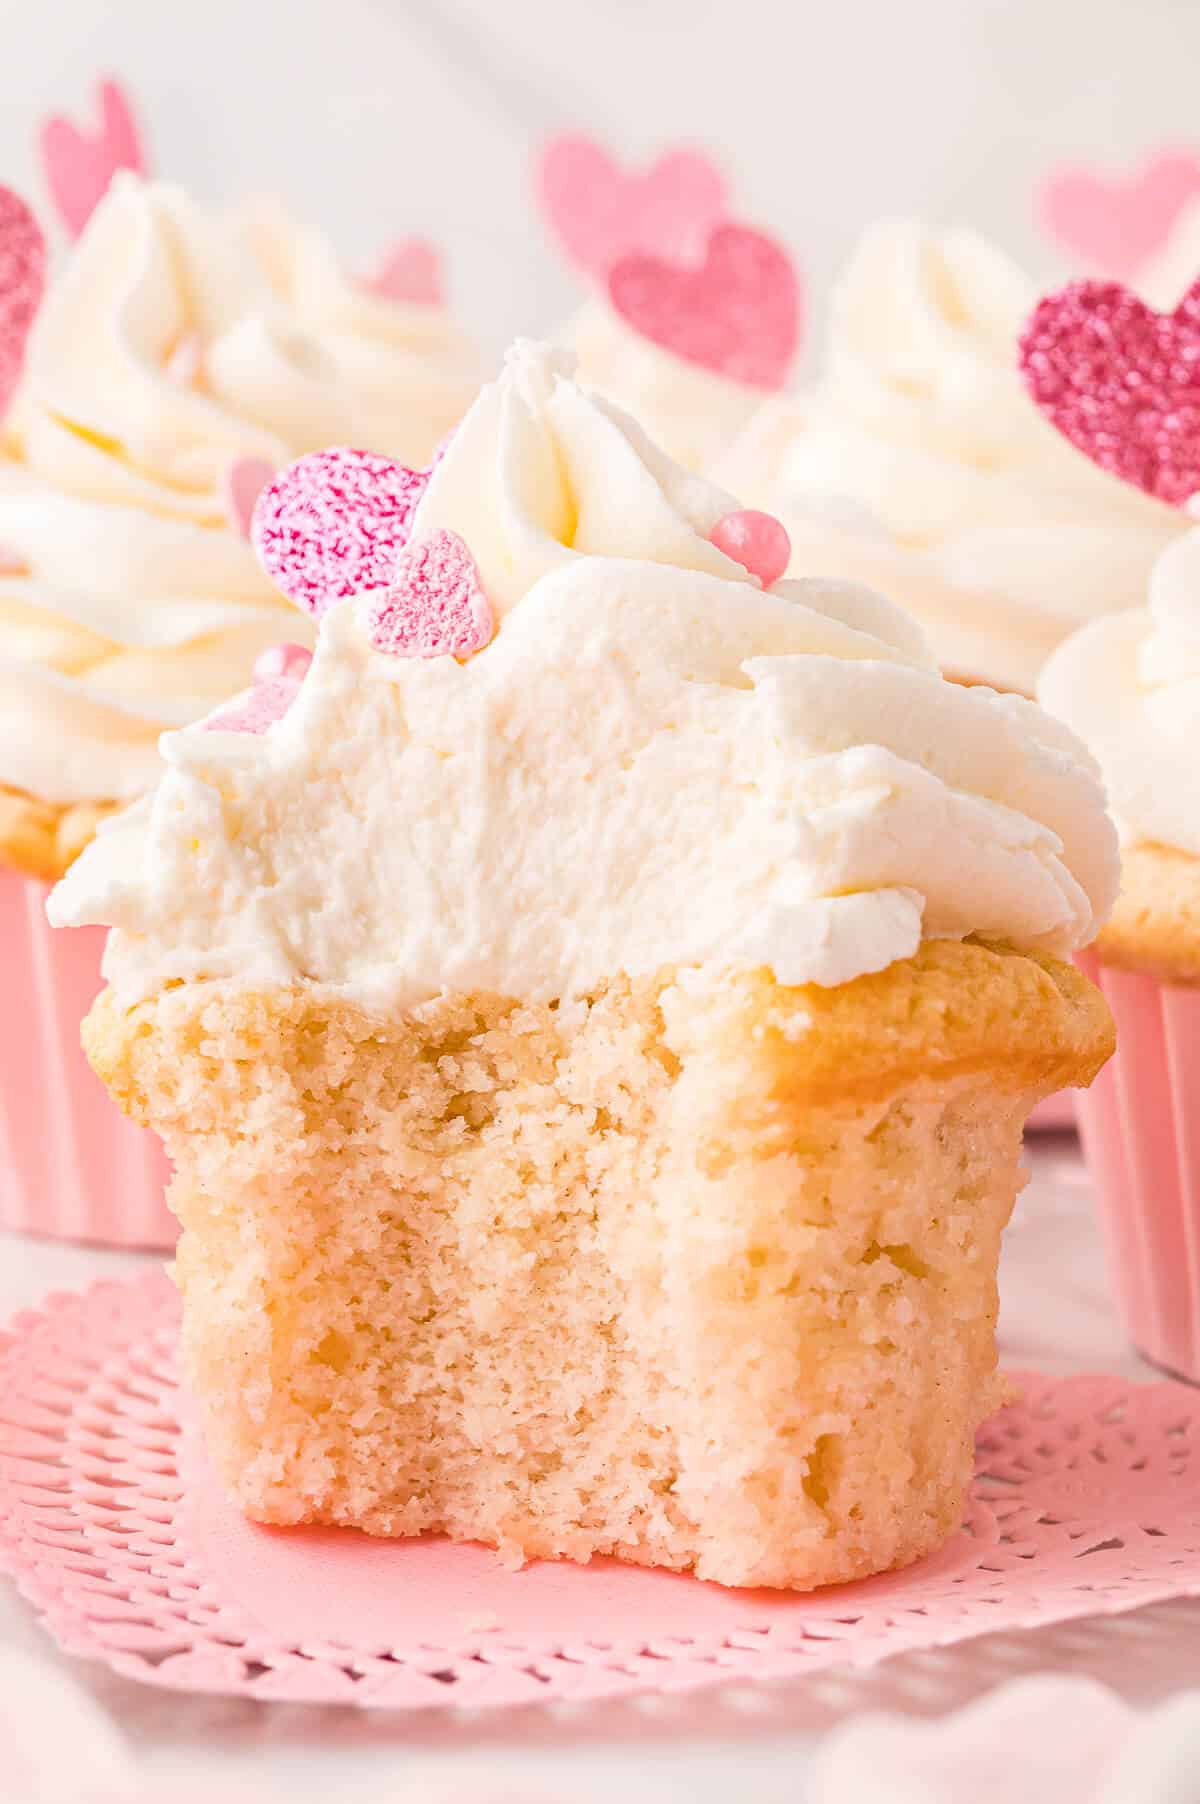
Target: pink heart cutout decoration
(410, 271)
(737, 313)
(1117, 223)
(435, 606)
(244, 481)
(22, 283)
(331, 524)
(1121, 382)
(599, 212)
(79, 165)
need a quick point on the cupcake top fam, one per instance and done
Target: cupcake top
(1129, 686)
(921, 419)
(639, 757)
(177, 360)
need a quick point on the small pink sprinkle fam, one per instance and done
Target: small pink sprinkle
(737, 313)
(79, 165)
(757, 541)
(410, 271)
(244, 481)
(435, 607)
(183, 362)
(11, 562)
(22, 281)
(330, 525)
(1121, 382)
(257, 710)
(284, 660)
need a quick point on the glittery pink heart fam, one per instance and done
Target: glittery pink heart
(22, 280)
(79, 165)
(598, 212)
(244, 481)
(737, 313)
(258, 709)
(410, 271)
(755, 540)
(1121, 382)
(435, 607)
(1115, 223)
(331, 524)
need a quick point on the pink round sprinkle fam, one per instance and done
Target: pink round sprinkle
(257, 710)
(408, 271)
(435, 607)
(331, 524)
(1121, 382)
(757, 541)
(284, 660)
(22, 280)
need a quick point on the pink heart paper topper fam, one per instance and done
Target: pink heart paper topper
(410, 271)
(1118, 223)
(599, 212)
(244, 481)
(737, 313)
(331, 524)
(79, 165)
(22, 281)
(1121, 381)
(435, 607)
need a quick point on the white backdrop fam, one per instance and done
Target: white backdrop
(378, 117)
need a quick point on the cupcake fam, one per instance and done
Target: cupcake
(1130, 685)
(172, 366)
(589, 1059)
(693, 318)
(966, 506)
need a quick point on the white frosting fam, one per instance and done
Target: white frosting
(654, 763)
(693, 413)
(1004, 538)
(135, 604)
(1167, 277)
(1130, 687)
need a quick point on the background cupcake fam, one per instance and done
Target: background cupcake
(964, 504)
(177, 360)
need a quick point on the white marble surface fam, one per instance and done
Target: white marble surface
(713, 1746)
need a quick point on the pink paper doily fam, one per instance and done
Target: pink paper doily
(1084, 1502)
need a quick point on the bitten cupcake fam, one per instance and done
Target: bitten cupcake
(694, 316)
(583, 1020)
(165, 377)
(964, 505)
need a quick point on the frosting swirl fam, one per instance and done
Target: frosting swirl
(1129, 686)
(1004, 538)
(172, 345)
(653, 763)
(693, 413)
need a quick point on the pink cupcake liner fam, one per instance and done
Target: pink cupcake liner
(1054, 1113)
(71, 1166)
(1140, 1127)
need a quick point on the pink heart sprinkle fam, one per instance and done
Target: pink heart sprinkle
(22, 282)
(331, 524)
(1118, 223)
(284, 660)
(738, 313)
(409, 271)
(435, 607)
(755, 540)
(257, 710)
(243, 482)
(598, 212)
(1121, 381)
(80, 165)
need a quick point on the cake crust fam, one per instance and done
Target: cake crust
(1155, 925)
